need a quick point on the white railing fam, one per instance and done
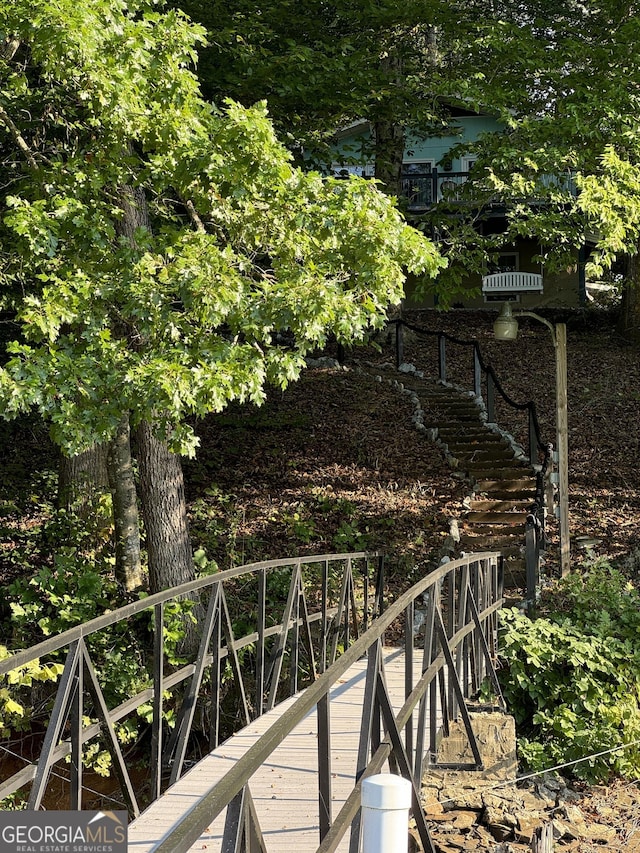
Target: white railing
(512, 282)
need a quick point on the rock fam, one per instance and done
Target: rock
(499, 831)
(531, 802)
(569, 796)
(552, 782)
(573, 814)
(564, 829)
(465, 820)
(486, 839)
(600, 832)
(433, 807)
(605, 812)
(527, 824)
(324, 362)
(547, 795)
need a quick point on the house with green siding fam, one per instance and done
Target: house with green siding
(434, 170)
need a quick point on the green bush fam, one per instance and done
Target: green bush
(15, 687)
(572, 676)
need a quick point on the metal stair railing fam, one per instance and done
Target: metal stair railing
(463, 598)
(330, 600)
(540, 452)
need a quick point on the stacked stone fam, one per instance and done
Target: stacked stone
(490, 810)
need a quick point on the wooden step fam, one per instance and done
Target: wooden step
(480, 454)
(455, 433)
(500, 506)
(480, 540)
(462, 423)
(510, 518)
(453, 407)
(476, 445)
(510, 551)
(514, 472)
(524, 487)
(506, 534)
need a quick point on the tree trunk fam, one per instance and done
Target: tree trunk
(81, 479)
(389, 156)
(389, 133)
(164, 510)
(135, 212)
(125, 508)
(629, 323)
(389, 144)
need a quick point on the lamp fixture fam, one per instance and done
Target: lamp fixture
(505, 327)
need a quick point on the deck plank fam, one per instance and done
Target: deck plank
(284, 789)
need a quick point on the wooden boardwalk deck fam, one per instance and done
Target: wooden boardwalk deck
(285, 788)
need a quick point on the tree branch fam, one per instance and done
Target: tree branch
(195, 218)
(9, 48)
(6, 119)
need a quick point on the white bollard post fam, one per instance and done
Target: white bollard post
(386, 800)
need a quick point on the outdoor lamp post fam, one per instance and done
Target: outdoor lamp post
(505, 328)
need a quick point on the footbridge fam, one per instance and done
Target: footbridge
(304, 682)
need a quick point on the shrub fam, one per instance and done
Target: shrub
(572, 676)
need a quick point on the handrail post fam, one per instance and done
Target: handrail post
(563, 445)
(531, 559)
(158, 698)
(408, 675)
(442, 357)
(533, 439)
(477, 372)
(491, 399)
(399, 343)
(324, 765)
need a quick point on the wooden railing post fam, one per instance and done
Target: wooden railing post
(324, 765)
(532, 554)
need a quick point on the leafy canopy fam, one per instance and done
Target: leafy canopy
(158, 246)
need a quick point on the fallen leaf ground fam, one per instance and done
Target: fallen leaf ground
(333, 463)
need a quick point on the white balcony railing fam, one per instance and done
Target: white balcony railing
(512, 282)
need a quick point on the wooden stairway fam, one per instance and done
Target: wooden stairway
(502, 482)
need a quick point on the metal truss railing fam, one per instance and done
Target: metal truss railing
(462, 599)
(304, 609)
